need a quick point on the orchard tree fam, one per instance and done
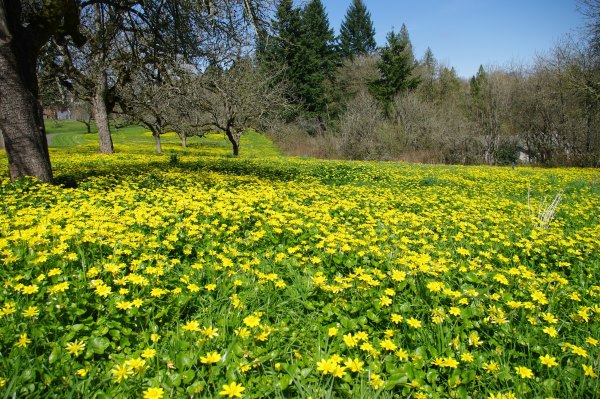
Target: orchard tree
(357, 35)
(27, 25)
(233, 100)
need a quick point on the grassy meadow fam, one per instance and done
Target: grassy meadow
(197, 274)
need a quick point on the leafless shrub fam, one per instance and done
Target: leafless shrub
(359, 126)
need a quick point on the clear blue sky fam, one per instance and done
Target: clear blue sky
(467, 33)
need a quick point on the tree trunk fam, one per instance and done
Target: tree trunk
(99, 100)
(184, 140)
(234, 138)
(101, 116)
(21, 119)
(157, 142)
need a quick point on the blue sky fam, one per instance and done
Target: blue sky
(467, 33)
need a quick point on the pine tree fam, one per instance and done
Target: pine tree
(357, 35)
(316, 58)
(279, 50)
(405, 38)
(396, 68)
(428, 70)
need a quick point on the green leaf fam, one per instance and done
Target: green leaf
(187, 376)
(55, 354)
(98, 344)
(185, 360)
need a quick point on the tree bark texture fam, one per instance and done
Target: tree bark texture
(21, 118)
(101, 115)
(157, 142)
(234, 139)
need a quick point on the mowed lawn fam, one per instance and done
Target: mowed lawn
(193, 273)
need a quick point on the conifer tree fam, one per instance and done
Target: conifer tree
(316, 58)
(280, 50)
(405, 38)
(357, 35)
(396, 68)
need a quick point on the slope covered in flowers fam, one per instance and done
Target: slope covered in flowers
(202, 275)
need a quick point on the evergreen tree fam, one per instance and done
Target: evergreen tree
(428, 72)
(405, 38)
(316, 58)
(450, 88)
(477, 84)
(278, 52)
(357, 35)
(396, 68)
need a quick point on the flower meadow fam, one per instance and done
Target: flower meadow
(201, 275)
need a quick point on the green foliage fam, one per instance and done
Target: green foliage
(302, 45)
(357, 35)
(395, 68)
(318, 57)
(295, 278)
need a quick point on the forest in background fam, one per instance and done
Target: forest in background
(286, 73)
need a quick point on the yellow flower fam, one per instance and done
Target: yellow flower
(524, 372)
(592, 341)
(375, 381)
(396, 318)
(388, 345)
(491, 367)
(414, 323)
(153, 393)
(242, 332)
(210, 358)
(191, 326)
(136, 364)
(467, 357)
(401, 354)
(30, 289)
(31, 311)
(355, 365)
(551, 331)
(327, 366)
(548, 360)
(232, 390)
(252, 321)
(103, 290)
(148, 353)
(350, 341)
(82, 372)
(210, 332)
(121, 372)
(75, 347)
(579, 351)
(588, 371)
(23, 341)
(154, 337)
(385, 300)
(332, 332)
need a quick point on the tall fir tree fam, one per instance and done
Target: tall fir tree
(395, 68)
(405, 38)
(279, 51)
(357, 35)
(316, 58)
(428, 70)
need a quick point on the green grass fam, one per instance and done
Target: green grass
(301, 278)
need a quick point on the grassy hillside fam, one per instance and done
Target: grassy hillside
(197, 274)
